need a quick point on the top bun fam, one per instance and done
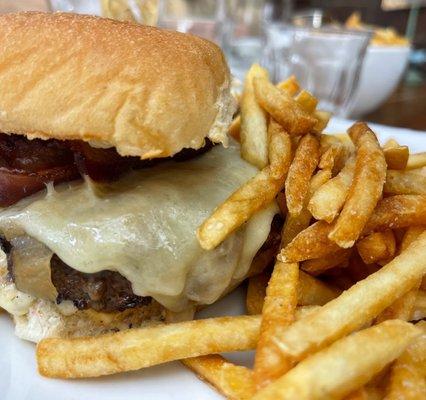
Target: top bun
(145, 91)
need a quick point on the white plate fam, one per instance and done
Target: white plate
(19, 379)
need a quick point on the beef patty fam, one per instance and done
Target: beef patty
(109, 291)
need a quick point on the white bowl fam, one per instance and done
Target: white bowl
(380, 74)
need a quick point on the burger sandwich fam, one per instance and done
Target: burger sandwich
(113, 150)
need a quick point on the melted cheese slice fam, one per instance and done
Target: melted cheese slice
(144, 227)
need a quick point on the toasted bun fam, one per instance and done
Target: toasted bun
(44, 320)
(145, 91)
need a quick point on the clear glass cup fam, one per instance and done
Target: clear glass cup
(201, 18)
(243, 34)
(327, 61)
(141, 11)
(92, 7)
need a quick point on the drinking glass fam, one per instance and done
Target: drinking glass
(141, 11)
(201, 18)
(242, 35)
(326, 61)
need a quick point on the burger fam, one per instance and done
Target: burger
(113, 150)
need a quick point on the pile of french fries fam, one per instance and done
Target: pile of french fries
(381, 36)
(337, 315)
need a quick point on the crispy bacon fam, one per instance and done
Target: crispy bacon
(26, 166)
(15, 185)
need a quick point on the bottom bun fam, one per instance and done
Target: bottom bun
(37, 319)
(44, 319)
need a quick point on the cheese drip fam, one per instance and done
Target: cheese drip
(143, 227)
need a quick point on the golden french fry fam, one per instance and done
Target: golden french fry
(365, 300)
(235, 128)
(322, 117)
(407, 379)
(366, 188)
(404, 182)
(278, 311)
(300, 172)
(256, 292)
(400, 211)
(233, 381)
(257, 193)
(360, 394)
(378, 246)
(290, 85)
(345, 366)
(417, 160)
(396, 157)
(139, 348)
(334, 152)
(307, 101)
(312, 291)
(311, 243)
(253, 133)
(419, 309)
(329, 199)
(283, 108)
(296, 223)
(403, 307)
(410, 235)
(319, 265)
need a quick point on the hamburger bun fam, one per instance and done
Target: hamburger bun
(147, 92)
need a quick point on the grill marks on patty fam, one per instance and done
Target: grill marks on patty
(102, 291)
(26, 166)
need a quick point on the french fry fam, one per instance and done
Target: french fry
(410, 235)
(283, 108)
(312, 291)
(233, 381)
(322, 117)
(378, 246)
(319, 265)
(256, 292)
(396, 157)
(407, 380)
(300, 173)
(403, 307)
(139, 348)
(404, 182)
(296, 223)
(290, 85)
(365, 300)
(345, 366)
(419, 309)
(329, 199)
(366, 188)
(278, 311)
(360, 394)
(400, 211)
(307, 101)
(417, 160)
(252, 196)
(311, 243)
(253, 133)
(235, 128)
(334, 153)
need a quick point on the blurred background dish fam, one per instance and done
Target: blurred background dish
(392, 81)
(383, 68)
